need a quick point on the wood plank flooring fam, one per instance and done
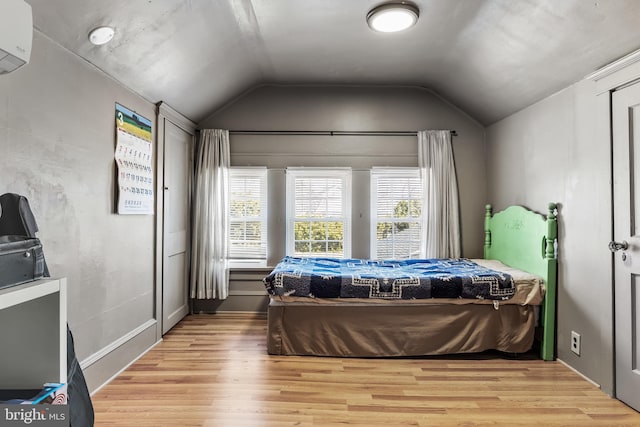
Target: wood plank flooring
(213, 370)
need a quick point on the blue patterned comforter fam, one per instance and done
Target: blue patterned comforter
(393, 279)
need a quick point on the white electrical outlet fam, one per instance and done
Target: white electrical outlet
(575, 342)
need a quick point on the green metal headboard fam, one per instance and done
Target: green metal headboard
(526, 240)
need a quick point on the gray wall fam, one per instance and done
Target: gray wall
(57, 140)
(343, 108)
(352, 108)
(553, 151)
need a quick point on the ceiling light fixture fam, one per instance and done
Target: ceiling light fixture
(393, 17)
(101, 35)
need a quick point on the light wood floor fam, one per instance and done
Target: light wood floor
(213, 370)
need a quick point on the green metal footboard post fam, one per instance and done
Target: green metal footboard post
(549, 308)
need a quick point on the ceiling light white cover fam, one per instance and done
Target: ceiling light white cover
(101, 35)
(393, 17)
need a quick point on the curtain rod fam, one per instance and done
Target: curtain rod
(329, 132)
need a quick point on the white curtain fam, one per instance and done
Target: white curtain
(209, 277)
(440, 218)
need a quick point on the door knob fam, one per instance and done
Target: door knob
(616, 246)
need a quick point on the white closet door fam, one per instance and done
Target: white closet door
(178, 149)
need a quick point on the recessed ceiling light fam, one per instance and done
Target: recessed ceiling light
(392, 17)
(101, 35)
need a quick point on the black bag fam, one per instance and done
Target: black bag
(21, 260)
(17, 219)
(16, 216)
(80, 407)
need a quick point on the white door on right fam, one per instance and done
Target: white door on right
(626, 242)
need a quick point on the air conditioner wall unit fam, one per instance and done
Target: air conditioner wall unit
(16, 34)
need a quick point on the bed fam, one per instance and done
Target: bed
(502, 302)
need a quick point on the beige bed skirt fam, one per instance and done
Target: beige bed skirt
(341, 328)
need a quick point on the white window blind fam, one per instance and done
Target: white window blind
(319, 212)
(396, 213)
(248, 213)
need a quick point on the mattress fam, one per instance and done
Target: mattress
(287, 284)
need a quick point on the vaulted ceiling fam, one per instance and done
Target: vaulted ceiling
(488, 57)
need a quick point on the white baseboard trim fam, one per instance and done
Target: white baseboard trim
(579, 373)
(239, 293)
(117, 343)
(97, 389)
(104, 365)
(237, 312)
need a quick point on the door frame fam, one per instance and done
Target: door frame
(625, 101)
(164, 114)
(608, 79)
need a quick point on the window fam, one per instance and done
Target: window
(396, 213)
(248, 213)
(319, 212)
